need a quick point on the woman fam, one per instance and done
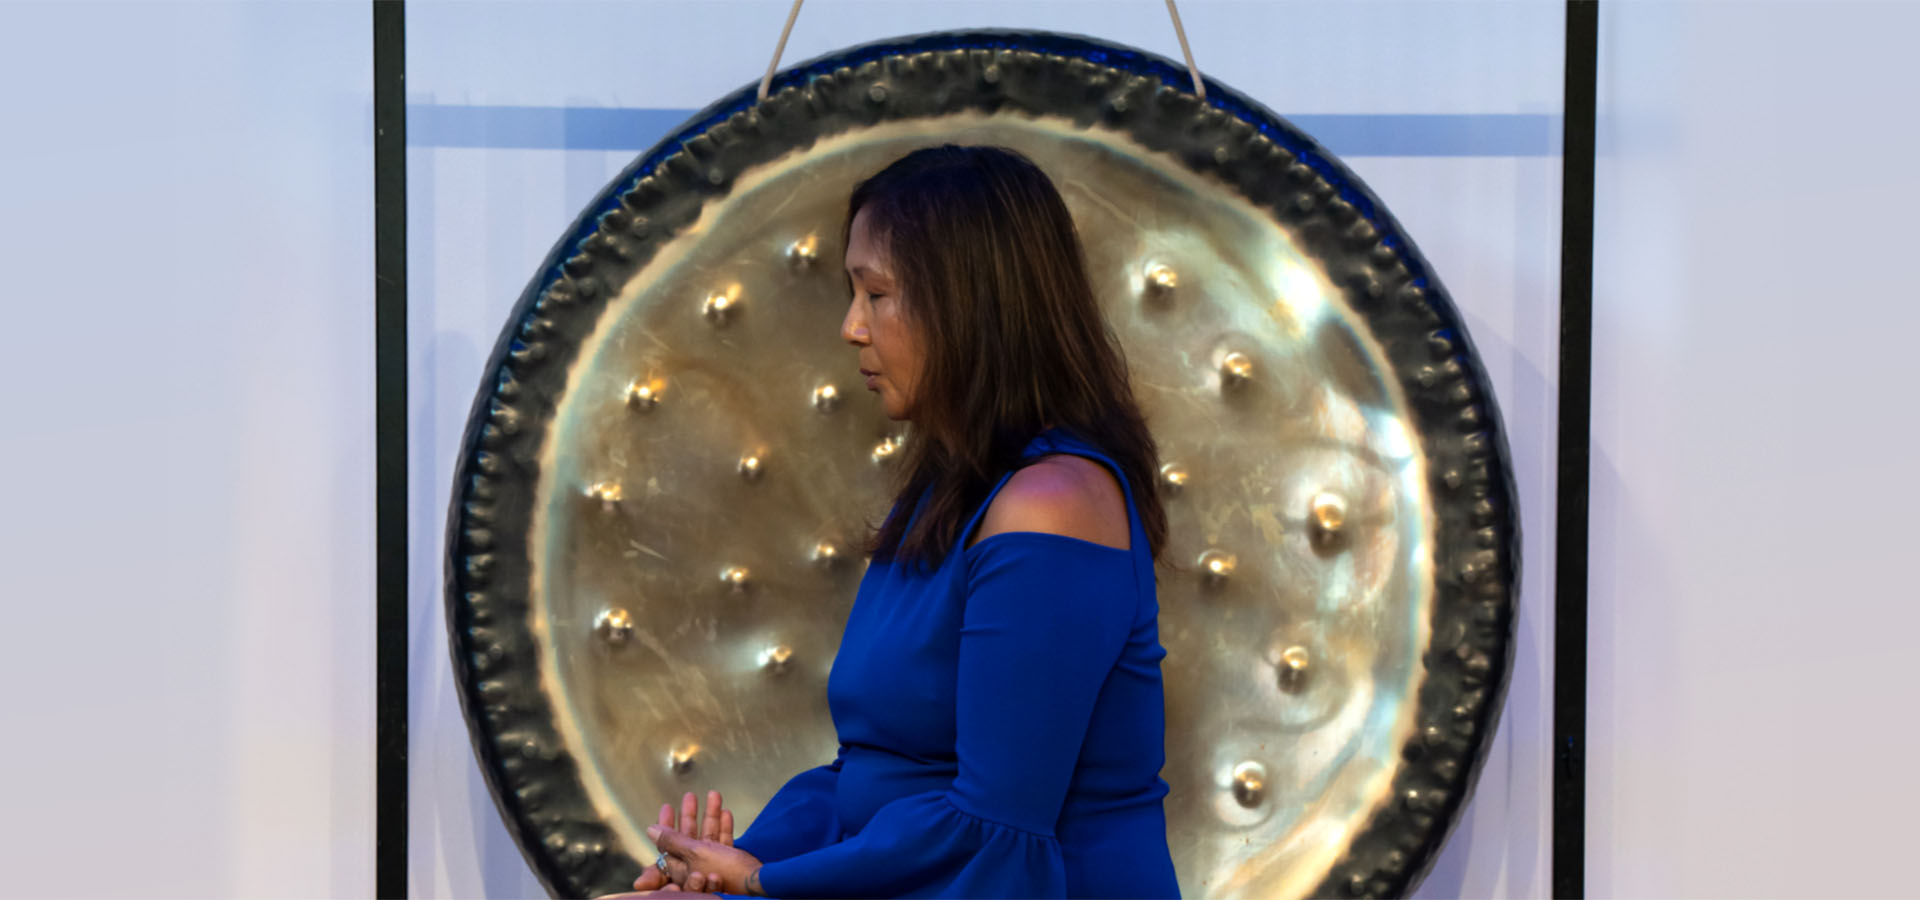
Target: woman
(997, 692)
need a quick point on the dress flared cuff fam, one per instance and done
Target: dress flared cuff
(924, 846)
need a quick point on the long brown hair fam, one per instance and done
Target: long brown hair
(994, 281)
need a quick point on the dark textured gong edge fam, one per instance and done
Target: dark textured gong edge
(1240, 143)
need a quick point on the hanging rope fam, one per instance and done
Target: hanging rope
(778, 49)
(1199, 87)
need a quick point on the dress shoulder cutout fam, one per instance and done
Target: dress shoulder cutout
(1064, 495)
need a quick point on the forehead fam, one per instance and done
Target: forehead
(865, 255)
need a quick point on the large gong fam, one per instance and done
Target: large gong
(670, 458)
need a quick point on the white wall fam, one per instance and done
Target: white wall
(186, 554)
(1755, 319)
(186, 231)
(485, 207)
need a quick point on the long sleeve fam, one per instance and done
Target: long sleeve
(1046, 619)
(798, 818)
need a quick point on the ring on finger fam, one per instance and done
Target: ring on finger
(662, 864)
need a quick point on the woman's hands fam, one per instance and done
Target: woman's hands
(717, 827)
(670, 892)
(700, 855)
(665, 893)
(697, 864)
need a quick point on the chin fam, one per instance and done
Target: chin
(891, 408)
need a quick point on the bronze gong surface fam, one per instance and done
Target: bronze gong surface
(673, 455)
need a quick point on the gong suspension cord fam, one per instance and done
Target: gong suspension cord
(1199, 87)
(778, 49)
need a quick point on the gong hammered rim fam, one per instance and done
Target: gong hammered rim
(1246, 147)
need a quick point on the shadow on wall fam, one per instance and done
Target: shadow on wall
(449, 798)
(1507, 793)
(1626, 534)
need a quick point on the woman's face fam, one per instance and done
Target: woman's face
(876, 323)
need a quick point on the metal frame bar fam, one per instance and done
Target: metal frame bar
(390, 445)
(1576, 434)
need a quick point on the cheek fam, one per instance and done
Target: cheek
(903, 359)
(892, 341)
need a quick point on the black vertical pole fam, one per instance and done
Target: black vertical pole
(1576, 434)
(390, 444)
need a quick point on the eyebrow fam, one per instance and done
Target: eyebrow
(870, 272)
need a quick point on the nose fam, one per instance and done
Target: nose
(853, 328)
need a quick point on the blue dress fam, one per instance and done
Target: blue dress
(1001, 727)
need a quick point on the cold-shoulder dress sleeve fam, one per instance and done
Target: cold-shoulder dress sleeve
(798, 818)
(1046, 619)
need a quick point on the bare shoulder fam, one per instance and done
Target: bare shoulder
(1060, 494)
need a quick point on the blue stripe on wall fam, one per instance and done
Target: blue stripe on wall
(634, 130)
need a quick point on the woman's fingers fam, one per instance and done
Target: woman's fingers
(696, 882)
(689, 815)
(651, 880)
(718, 826)
(711, 828)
